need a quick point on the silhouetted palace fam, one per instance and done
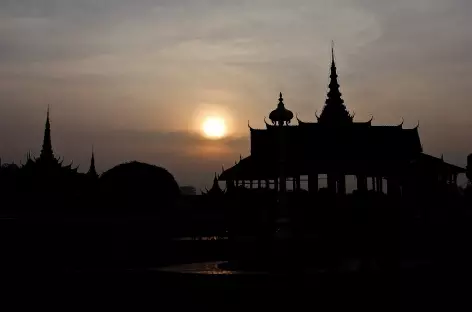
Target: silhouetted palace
(337, 146)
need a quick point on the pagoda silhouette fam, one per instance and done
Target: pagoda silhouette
(336, 145)
(48, 173)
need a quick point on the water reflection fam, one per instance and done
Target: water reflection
(208, 268)
(215, 268)
(201, 238)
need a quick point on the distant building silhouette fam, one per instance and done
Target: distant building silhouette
(188, 190)
(337, 146)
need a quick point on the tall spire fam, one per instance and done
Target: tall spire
(92, 171)
(46, 151)
(335, 111)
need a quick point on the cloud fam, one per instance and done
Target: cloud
(149, 65)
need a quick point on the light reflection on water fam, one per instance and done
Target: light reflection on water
(208, 268)
(213, 268)
(201, 238)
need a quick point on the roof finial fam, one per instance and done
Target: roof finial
(281, 100)
(332, 51)
(46, 151)
(92, 171)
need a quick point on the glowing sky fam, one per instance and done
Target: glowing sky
(134, 78)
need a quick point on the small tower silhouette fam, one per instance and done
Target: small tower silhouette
(47, 154)
(215, 189)
(92, 172)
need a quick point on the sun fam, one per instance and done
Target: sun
(214, 127)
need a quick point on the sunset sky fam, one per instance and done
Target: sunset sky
(137, 78)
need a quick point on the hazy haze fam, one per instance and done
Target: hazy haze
(133, 77)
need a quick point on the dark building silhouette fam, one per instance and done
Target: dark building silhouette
(188, 190)
(337, 146)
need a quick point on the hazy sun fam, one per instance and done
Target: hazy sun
(214, 127)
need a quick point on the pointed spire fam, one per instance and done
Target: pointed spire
(46, 151)
(335, 111)
(332, 52)
(215, 189)
(92, 171)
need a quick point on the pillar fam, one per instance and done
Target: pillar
(332, 183)
(259, 184)
(298, 183)
(373, 184)
(313, 183)
(236, 183)
(393, 187)
(294, 183)
(251, 184)
(276, 184)
(379, 184)
(342, 184)
(361, 183)
(267, 184)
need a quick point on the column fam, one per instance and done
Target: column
(294, 183)
(373, 184)
(342, 184)
(361, 183)
(379, 184)
(276, 184)
(298, 183)
(332, 183)
(259, 184)
(267, 184)
(313, 183)
(251, 184)
(393, 187)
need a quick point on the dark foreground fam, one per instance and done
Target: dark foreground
(92, 266)
(405, 291)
